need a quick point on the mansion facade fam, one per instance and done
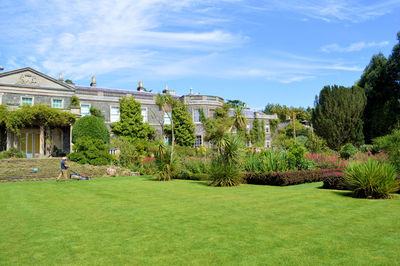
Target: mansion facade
(28, 86)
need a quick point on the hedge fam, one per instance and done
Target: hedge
(291, 178)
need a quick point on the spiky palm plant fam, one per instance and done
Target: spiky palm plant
(372, 179)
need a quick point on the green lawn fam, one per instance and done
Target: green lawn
(135, 220)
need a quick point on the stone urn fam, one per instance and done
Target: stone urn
(111, 172)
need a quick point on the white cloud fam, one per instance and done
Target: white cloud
(358, 46)
(329, 11)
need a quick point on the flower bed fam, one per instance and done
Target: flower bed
(291, 178)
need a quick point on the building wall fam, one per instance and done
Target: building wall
(103, 99)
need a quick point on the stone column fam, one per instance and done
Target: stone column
(41, 141)
(9, 140)
(70, 138)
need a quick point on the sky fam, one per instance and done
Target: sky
(257, 51)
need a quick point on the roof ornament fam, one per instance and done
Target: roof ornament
(191, 91)
(166, 90)
(93, 83)
(140, 87)
(60, 78)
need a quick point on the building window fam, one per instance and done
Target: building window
(211, 113)
(267, 129)
(248, 128)
(196, 116)
(198, 142)
(114, 114)
(57, 103)
(1, 98)
(85, 109)
(167, 121)
(268, 144)
(27, 100)
(144, 114)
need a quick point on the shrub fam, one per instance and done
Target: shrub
(92, 151)
(323, 161)
(266, 161)
(390, 144)
(372, 179)
(289, 178)
(296, 155)
(347, 151)
(194, 169)
(225, 169)
(12, 153)
(335, 180)
(74, 101)
(90, 126)
(224, 174)
(167, 165)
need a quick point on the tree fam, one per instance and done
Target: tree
(183, 125)
(381, 83)
(337, 115)
(236, 103)
(166, 103)
(255, 132)
(131, 121)
(239, 120)
(90, 126)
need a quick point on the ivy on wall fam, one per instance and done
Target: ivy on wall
(37, 115)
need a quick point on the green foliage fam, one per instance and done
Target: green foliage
(315, 144)
(131, 121)
(225, 168)
(347, 151)
(37, 115)
(300, 129)
(257, 133)
(96, 112)
(296, 158)
(372, 179)
(337, 115)
(75, 101)
(390, 144)
(167, 165)
(12, 153)
(236, 103)
(183, 125)
(68, 81)
(91, 151)
(194, 169)
(380, 81)
(284, 112)
(267, 161)
(90, 126)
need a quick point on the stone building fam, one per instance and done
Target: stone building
(28, 86)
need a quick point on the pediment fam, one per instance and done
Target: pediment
(28, 77)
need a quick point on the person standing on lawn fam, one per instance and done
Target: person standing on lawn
(64, 169)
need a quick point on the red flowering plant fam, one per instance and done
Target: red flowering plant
(323, 161)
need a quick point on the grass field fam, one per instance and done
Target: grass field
(135, 220)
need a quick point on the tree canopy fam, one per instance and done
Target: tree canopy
(183, 125)
(131, 121)
(381, 83)
(337, 115)
(90, 126)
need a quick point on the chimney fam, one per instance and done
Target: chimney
(60, 77)
(93, 83)
(166, 91)
(140, 88)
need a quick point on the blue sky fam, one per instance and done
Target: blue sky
(257, 51)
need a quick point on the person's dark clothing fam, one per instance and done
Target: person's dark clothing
(63, 167)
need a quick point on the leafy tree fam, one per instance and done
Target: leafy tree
(337, 115)
(255, 132)
(236, 103)
(183, 125)
(284, 112)
(90, 150)
(96, 112)
(90, 126)
(131, 121)
(381, 82)
(390, 144)
(216, 128)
